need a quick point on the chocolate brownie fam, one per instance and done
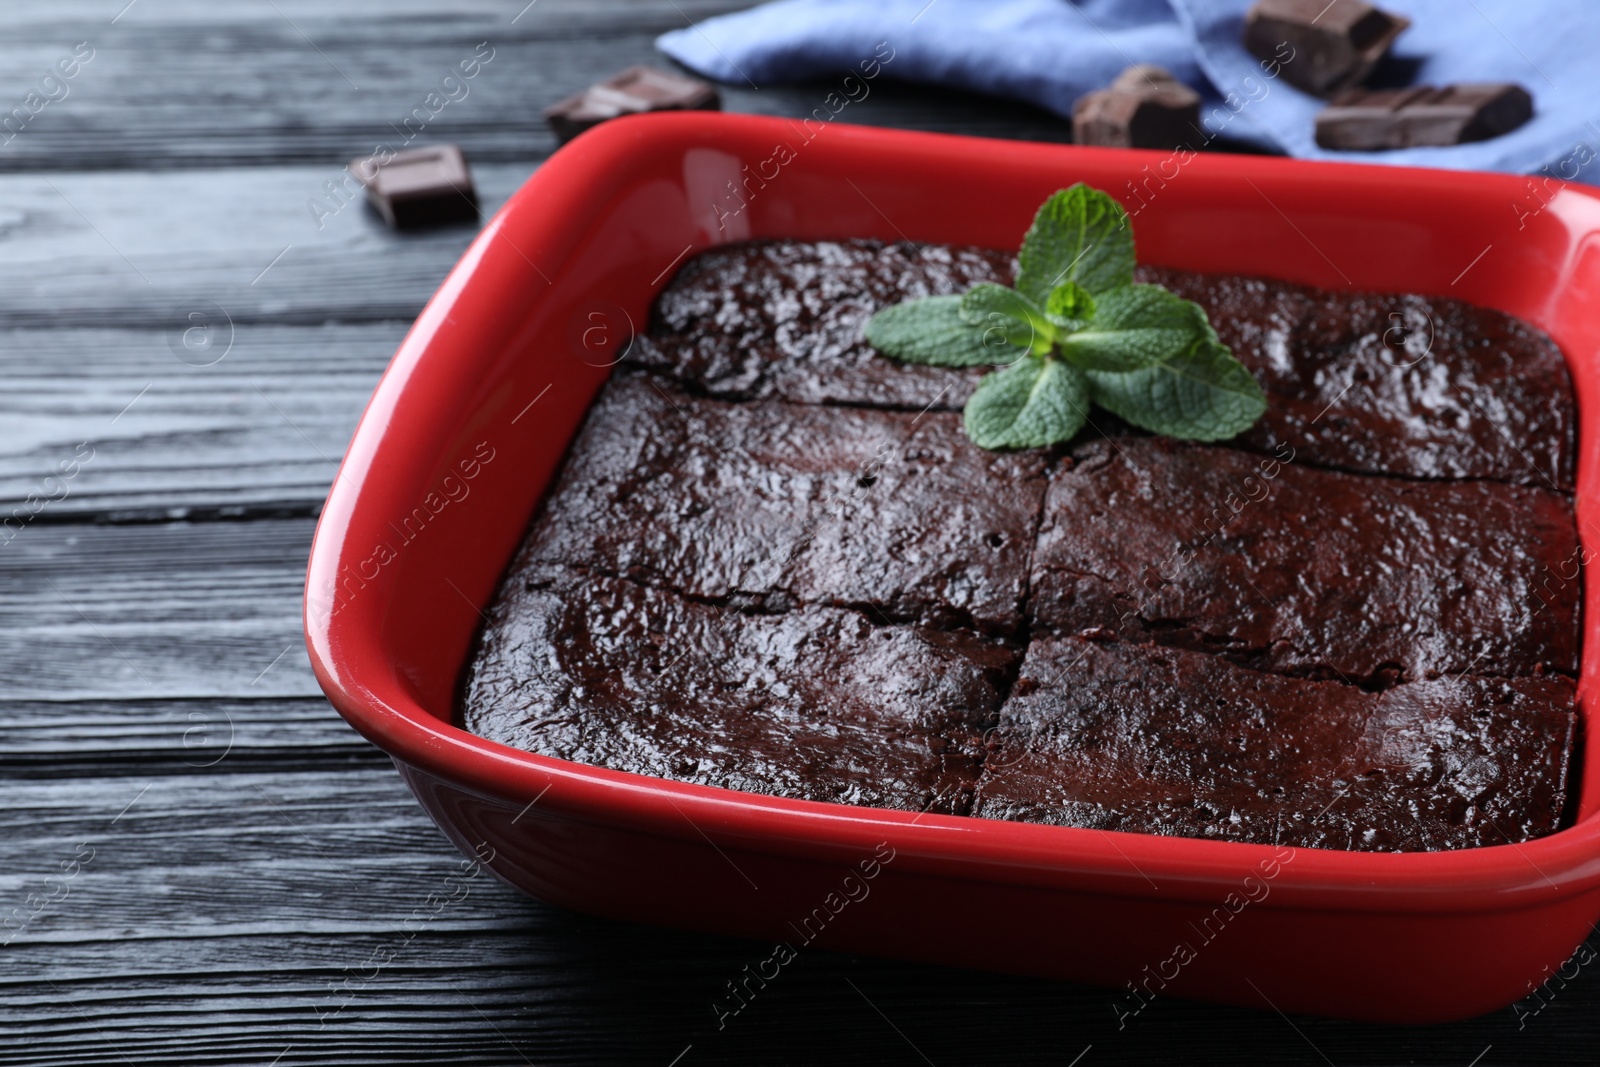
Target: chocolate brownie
(1135, 737)
(774, 562)
(796, 503)
(817, 703)
(1283, 567)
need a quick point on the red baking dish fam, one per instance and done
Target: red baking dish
(472, 418)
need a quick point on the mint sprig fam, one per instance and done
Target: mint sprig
(1076, 329)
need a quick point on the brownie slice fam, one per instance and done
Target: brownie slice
(784, 319)
(1283, 567)
(815, 703)
(894, 512)
(1155, 740)
(1423, 387)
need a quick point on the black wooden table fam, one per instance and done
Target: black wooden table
(199, 862)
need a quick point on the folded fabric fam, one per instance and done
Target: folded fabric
(1050, 52)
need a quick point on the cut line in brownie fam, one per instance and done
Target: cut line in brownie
(1408, 385)
(815, 703)
(1289, 568)
(796, 504)
(1154, 740)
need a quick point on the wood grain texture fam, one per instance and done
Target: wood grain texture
(155, 611)
(110, 423)
(58, 739)
(253, 859)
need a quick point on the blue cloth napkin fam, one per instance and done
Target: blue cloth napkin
(1050, 52)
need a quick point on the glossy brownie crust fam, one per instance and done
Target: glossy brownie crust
(1280, 566)
(1384, 383)
(1421, 387)
(773, 562)
(784, 504)
(782, 320)
(814, 702)
(1187, 744)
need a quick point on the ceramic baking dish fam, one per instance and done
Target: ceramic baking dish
(472, 418)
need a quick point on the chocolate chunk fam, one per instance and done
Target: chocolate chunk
(1334, 45)
(1145, 107)
(419, 187)
(1370, 119)
(634, 91)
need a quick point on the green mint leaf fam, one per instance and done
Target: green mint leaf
(1137, 326)
(931, 330)
(1205, 394)
(1080, 235)
(1008, 317)
(1032, 403)
(1076, 328)
(1070, 306)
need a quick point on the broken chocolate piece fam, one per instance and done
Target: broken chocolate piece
(634, 91)
(419, 187)
(1368, 119)
(1145, 107)
(1334, 45)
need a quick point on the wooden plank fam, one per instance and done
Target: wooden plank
(326, 82)
(110, 423)
(64, 739)
(231, 853)
(196, 392)
(147, 612)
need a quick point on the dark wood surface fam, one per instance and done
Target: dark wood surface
(237, 853)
